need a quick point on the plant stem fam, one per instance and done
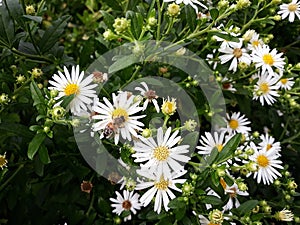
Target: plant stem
(11, 177)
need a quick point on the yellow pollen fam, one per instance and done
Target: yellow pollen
(126, 205)
(268, 59)
(72, 89)
(233, 124)
(284, 80)
(237, 52)
(292, 7)
(119, 112)
(210, 223)
(223, 183)
(162, 184)
(161, 153)
(264, 88)
(262, 161)
(269, 146)
(219, 147)
(255, 43)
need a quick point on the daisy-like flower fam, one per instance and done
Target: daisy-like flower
(208, 142)
(128, 202)
(284, 215)
(286, 83)
(161, 155)
(161, 186)
(255, 41)
(233, 191)
(267, 162)
(268, 143)
(150, 96)
(68, 84)
(3, 161)
(192, 3)
(236, 53)
(117, 118)
(266, 59)
(237, 123)
(266, 89)
(227, 85)
(290, 10)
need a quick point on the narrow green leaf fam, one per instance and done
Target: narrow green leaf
(36, 93)
(229, 148)
(213, 156)
(122, 63)
(37, 19)
(52, 34)
(67, 100)
(214, 13)
(43, 154)
(191, 17)
(213, 200)
(38, 166)
(108, 19)
(16, 11)
(34, 145)
(16, 129)
(7, 28)
(247, 206)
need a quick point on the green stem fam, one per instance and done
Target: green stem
(160, 8)
(132, 77)
(91, 205)
(11, 177)
(33, 57)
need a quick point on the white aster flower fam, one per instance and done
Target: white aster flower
(76, 84)
(161, 155)
(266, 59)
(284, 215)
(268, 143)
(118, 117)
(267, 162)
(255, 41)
(237, 123)
(128, 202)
(150, 96)
(266, 89)
(208, 142)
(233, 191)
(161, 186)
(227, 85)
(188, 2)
(286, 83)
(236, 53)
(291, 9)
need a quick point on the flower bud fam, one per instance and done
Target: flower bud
(152, 21)
(58, 112)
(216, 216)
(108, 35)
(242, 4)
(277, 17)
(54, 93)
(173, 10)
(30, 10)
(121, 25)
(169, 107)
(36, 72)
(190, 125)
(20, 79)
(147, 133)
(4, 99)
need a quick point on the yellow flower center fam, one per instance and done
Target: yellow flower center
(269, 146)
(264, 88)
(161, 153)
(292, 7)
(162, 184)
(3, 161)
(219, 147)
(262, 161)
(268, 59)
(120, 113)
(169, 107)
(284, 80)
(237, 52)
(210, 223)
(126, 205)
(233, 124)
(72, 89)
(255, 43)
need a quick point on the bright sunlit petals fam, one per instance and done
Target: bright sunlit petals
(290, 10)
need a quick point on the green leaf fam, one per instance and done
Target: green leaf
(213, 200)
(229, 148)
(38, 98)
(122, 63)
(34, 145)
(37, 19)
(213, 156)
(16, 11)
(38, 166)
(7, 31)
(176, 203)
(52, 34)
(43, 154)
(214, 13)
(247, 206)
(16, 129)
(67, 100)
(108, 19)
(191, 17)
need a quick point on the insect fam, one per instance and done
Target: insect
(112, 127)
